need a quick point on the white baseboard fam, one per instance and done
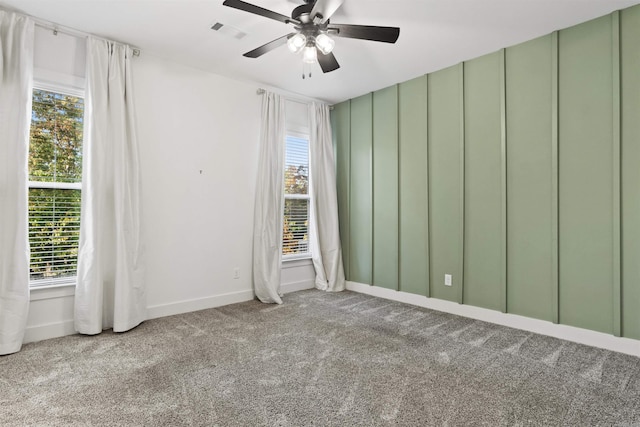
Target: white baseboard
(287, 288)
(48, 331)
(542, 327)
(197, 304)
(59, 329)
(188, 306)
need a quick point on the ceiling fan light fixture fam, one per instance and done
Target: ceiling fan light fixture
(325, 43)
(313, 30)
(296, 42)
(310, 55)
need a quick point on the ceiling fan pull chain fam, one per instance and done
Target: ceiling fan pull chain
(306, 70)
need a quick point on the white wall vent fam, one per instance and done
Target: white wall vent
(228, 30)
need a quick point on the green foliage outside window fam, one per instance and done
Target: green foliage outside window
(295, 237)
(54, 224)
(296, 226)
(55, 156)
(296, 180)
(55, 149)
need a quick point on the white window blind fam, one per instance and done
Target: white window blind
(55, 173)
(295, 236)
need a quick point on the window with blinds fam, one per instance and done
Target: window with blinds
(295, 235)
(55, 174)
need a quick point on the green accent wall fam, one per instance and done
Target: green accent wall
(516, 172)
(630, 169)
(586, 175)
(482, 185)
(385, 188)
(413, 187)
(341, 127)
(360, 191)
(446, 181)
(530, 169)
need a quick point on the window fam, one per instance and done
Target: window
(55, 174)
(295, 236)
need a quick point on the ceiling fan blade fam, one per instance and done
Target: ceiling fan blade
(257, 10)
(365, 32)
(267, 47)
(327, 62)
(325, 8)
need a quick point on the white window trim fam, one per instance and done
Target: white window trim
(56, 185)
(296, 257)
(63, 282)
(53, 283)
(302, 133)
(297, 262)
(71, 89)
(52, 288)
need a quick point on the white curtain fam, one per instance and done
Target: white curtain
(111, 289)
(267, 222)
(325, 233)
(16, 67)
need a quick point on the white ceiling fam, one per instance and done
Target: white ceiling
(434, 34)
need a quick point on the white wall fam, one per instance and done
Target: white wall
(59, 59)
(198, 135)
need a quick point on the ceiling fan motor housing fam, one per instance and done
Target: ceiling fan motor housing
(301, 13)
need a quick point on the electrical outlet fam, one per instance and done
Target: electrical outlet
(236, 273)
(447, 280)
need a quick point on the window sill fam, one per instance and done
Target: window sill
(52, 290)
(297, 262)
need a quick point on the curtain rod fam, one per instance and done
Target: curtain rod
(47, 25)
(260, 91)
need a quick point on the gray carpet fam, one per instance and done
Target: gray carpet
(319, 359)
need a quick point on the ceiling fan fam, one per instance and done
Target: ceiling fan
(313, 31)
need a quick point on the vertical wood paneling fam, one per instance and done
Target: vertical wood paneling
(518, 174)
(483, 183)
(615, 166)
(413, 186)
(630, 150)
(555, 219)
(462, 193)
(445, 184)
(341, 122)
(585, 182)
(503, 182)
(385, 188)
(530, 178)
(361, 203)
